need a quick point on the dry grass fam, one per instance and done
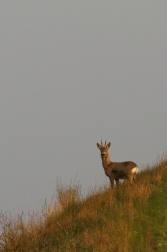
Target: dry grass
(126, 219)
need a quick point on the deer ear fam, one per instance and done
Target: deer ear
(108, 145)
(98, 146)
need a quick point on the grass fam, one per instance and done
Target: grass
(126, 219)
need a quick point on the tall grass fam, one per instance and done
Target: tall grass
(125, 219)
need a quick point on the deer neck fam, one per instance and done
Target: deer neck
(106, 161)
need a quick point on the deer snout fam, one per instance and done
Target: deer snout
(102, 155)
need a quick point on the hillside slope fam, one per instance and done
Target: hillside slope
(126, 219)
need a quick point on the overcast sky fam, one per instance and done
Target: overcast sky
(73, 73)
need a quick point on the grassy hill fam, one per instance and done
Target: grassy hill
(125, 219)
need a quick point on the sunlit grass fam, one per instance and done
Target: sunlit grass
(125, 219)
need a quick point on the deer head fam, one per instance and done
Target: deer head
(104, 149)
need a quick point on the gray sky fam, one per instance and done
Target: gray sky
(73, 73)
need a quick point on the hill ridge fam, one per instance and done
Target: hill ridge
(125, 219)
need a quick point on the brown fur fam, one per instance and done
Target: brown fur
(115, 170)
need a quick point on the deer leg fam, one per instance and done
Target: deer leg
(130, 178)
(134, 177)
(112, 182)
(117, 182)
(131, 182)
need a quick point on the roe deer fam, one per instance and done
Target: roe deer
(114, 170)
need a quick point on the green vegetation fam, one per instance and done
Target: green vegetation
(125, 219)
